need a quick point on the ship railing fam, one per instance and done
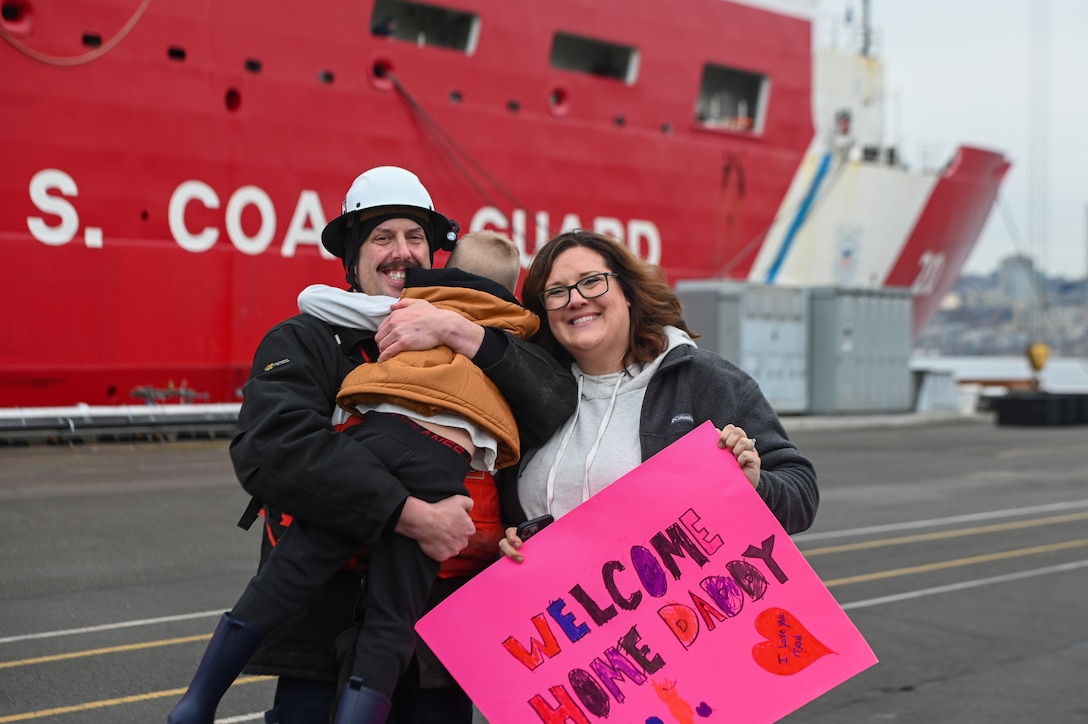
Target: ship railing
(154, 395)
(87, 423)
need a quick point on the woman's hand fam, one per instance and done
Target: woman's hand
(735, 440)
(510, 545)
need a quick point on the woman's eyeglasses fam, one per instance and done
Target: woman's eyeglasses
(589, 287)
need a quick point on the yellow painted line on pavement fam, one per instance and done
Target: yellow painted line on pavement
(99, 652)
(977, 530)
(973, 560)
(27, 716)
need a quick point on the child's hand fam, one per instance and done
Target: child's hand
(511, 544)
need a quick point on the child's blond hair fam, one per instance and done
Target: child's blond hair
(487, 254)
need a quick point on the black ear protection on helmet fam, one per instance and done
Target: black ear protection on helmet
(445, 239)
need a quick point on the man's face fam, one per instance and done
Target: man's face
(393, 246)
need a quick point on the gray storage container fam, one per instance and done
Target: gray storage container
(860, 347)
(761, 329)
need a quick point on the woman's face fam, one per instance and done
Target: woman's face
(595, 331)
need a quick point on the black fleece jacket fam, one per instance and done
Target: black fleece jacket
(690, 387)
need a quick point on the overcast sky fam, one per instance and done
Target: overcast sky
(962, 71)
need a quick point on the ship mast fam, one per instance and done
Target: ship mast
(866, 29)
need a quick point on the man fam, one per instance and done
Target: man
(288, 455)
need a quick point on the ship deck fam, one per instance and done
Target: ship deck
(958, 547)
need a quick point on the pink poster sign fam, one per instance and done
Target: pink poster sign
(673, 595)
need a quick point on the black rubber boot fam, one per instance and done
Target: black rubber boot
(230, 648)
(360, 705)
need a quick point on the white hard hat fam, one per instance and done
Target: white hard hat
(388, 192)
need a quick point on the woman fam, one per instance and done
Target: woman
(643, 384)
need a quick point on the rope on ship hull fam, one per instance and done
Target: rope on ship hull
(77, 59)
(455, 152)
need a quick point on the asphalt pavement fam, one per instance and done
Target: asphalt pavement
(957, 547)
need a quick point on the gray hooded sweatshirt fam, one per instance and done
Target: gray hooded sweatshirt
(598, 445)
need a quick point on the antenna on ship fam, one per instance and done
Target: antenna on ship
(866, 29)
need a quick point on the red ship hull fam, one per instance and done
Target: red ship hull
(164, 189)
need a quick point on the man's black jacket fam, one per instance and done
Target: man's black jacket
(287, 455)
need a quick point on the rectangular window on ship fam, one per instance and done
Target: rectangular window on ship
(595, 57)
(426, 25)
(731, 99)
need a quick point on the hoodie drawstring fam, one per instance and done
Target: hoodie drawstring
(553, 472)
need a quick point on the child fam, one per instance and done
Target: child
(431, 416)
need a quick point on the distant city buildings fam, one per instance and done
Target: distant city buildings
(1019, 281)
(1003, 312)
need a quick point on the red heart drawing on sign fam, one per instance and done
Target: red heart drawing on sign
(789, 647)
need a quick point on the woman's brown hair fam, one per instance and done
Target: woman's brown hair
(653, 303)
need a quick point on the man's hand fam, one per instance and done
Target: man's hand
(442, 529)
(415, 324)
